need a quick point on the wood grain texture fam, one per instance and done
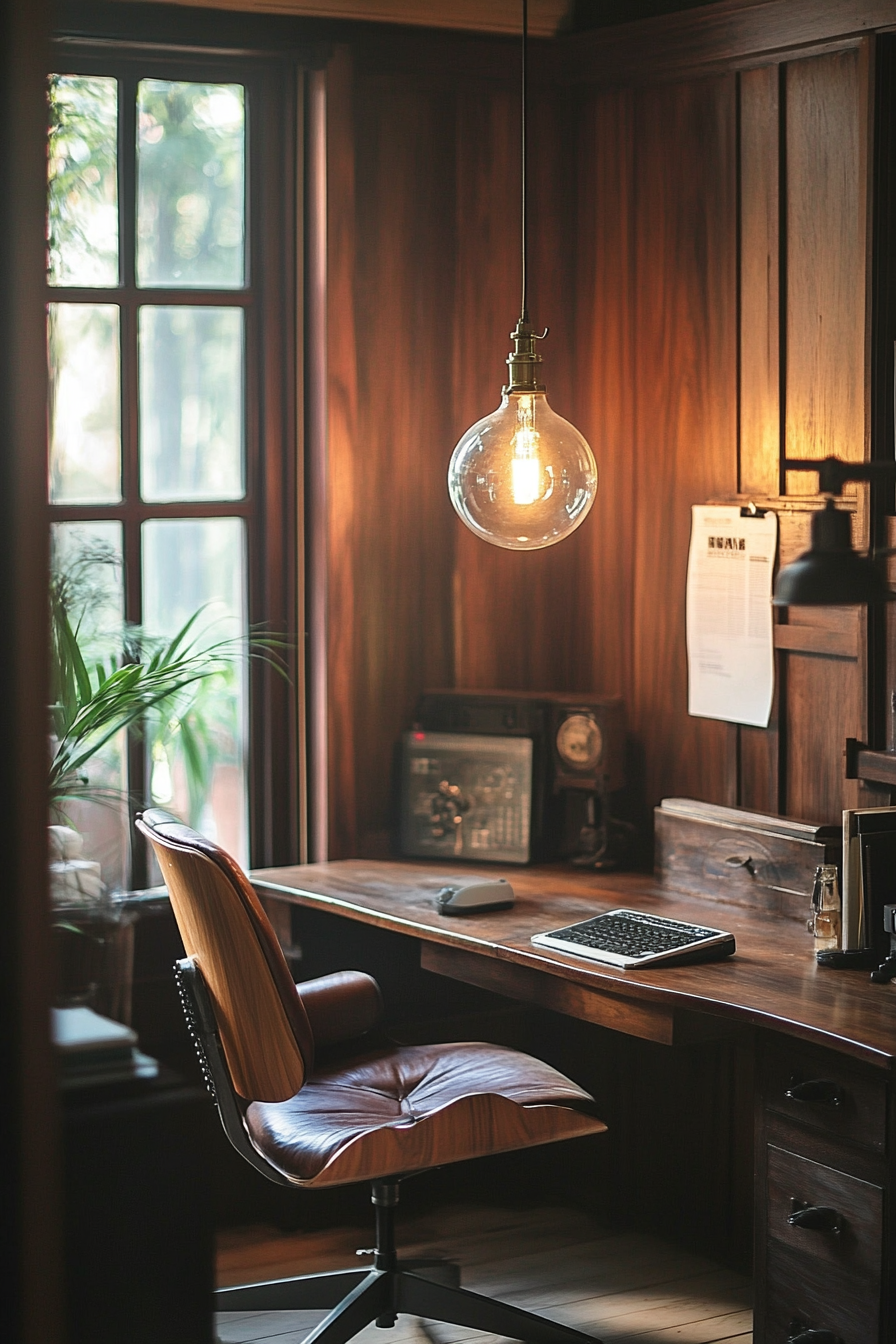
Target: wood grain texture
(650, 1022)
(733, 33)
(656, 231)
(685, 426)
(478, 1125)
(260, 1047)
(760, 374)
(772, 981)
(605, 393)
(389, 540)
(341, 437)
(826, 261)
(522, 620)
(824, 708)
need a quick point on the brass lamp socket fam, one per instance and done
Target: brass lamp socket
(523, 360)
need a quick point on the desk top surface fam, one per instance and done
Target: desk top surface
(772, 981)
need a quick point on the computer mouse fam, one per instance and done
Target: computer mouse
(479, 893)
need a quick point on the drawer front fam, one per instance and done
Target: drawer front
(805, 1296)
(730, 860)
(817, 1089)
(825, 1216)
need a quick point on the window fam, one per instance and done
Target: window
(172, 425)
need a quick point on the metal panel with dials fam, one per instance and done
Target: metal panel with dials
(466, 796)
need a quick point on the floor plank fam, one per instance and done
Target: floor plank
(624, 1288)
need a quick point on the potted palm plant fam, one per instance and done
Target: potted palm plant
(105, 678)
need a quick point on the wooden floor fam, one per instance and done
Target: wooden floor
(620, 1287)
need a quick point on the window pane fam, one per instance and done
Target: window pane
(87, 580)
(190, 184)
(197, 756)
(85, 403)
(191, 403)
(82, 222)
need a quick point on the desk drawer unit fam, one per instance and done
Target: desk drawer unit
(822, 1205)
(819, 1091)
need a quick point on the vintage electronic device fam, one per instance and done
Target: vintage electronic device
(629, 938)
(475, 896)
(577, 765)
(466, 797)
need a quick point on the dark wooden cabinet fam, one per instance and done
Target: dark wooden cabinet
(137, 1213)
(823, 1180)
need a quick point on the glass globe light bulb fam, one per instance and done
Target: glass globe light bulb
(522, 478)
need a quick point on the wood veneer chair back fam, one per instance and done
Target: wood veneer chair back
(265, 1033)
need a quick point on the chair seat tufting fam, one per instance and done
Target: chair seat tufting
(403, 1109)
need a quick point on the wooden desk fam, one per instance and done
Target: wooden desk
(831, 1146)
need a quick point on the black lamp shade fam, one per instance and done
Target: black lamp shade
(830, 573)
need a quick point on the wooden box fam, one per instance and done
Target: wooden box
(744, 857)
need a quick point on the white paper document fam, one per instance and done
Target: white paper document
(731, 665)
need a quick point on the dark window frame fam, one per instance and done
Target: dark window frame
(273, 404)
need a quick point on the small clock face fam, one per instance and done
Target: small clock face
(579, 742)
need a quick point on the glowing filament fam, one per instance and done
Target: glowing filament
(525, 467)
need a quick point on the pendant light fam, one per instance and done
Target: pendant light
(523, 477)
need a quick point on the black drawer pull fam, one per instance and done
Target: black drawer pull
(820, 1091)
(807, 1336)
(814, 1217)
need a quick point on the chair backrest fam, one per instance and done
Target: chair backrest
(265, 1033)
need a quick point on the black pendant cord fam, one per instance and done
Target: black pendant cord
(525, 203)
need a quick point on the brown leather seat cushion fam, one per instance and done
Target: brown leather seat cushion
(412, 1107)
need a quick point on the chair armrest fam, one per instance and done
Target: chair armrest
(341, 1006)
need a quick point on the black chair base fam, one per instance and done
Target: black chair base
(426, 1288)
(358, 1297)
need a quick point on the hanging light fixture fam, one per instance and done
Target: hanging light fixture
(523, 477)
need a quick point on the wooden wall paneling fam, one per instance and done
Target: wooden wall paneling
(712, 39)
(604, 395)
(759, 366)
(686, 390)
(488, 584)
(401, 538)
(822, 713)
(826, 260)
(342, 451)
(518, 622)
(825, 388)
(760, 371)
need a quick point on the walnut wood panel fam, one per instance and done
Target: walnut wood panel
(605, 391)
(404, 282)
(259, 1044)
(342, 417)
(824, 709)
(760, 374)
(859, 1205)
(476, 1126)
(656, 231)
(736, 33)
(809, 1294)
(773, 979)
(860, 1114)
(760, 370)
(685, 426)
(651, 1022)
(521, 620)
(826, 370)
(391, 158)
(741, 864)
(814, 639)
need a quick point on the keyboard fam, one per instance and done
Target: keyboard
(631, 938)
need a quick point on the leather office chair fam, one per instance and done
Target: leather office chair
(309, 1104)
